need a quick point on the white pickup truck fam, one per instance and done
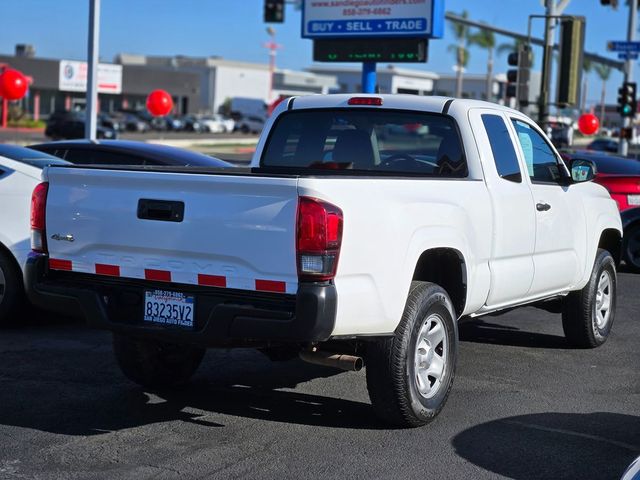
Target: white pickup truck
(366, 227)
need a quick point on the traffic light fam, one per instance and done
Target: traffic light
(274, 11)
(570, 64)
(627, 102)
(626, 133)
(519, 77)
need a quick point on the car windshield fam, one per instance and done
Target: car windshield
(30, 157)
(373, 141)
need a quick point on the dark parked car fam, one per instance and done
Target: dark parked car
(124, 152)
(133, 123)
(631, 239)
(70, 125)
(604, 145)
(192, 124)
(111, 121)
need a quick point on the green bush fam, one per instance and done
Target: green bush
(27, 123)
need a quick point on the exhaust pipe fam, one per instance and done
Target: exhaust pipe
(335, 360)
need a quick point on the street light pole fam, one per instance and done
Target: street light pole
(553, 10)
(90, 124)
(273, 49)
(623, 146)
(545, 84)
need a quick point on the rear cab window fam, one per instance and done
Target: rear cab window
(366, 141)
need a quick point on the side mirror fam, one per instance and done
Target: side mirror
(583, 170)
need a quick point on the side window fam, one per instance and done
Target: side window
(502, 148)
(542, 163)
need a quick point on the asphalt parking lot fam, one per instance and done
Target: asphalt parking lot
(523, 406)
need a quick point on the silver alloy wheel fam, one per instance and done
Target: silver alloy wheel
(3, 285)
(603, 300)
(430, 359)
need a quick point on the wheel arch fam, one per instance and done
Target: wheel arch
(447, 268)
(611, 240)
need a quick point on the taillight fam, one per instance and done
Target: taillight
(38, 211)
(318, 240)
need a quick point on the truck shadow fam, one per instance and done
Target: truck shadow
(553, 445)
(480, 331)
(60, 393)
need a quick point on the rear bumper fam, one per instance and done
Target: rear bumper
(223, 316)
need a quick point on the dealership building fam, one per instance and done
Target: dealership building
(204, 84)
(197, 85)
(220, 79)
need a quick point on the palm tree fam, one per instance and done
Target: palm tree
(461, 34)
(486, 39)
(587, 67)
(604, 72)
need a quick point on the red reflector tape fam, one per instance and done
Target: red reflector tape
(56, 264)
(376, 101)
(110, 270)
(157, 275)
(271, 286)
(212, 280)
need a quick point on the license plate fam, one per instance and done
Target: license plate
(633, 199)
(169, 308)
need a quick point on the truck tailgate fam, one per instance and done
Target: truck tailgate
(236, 231)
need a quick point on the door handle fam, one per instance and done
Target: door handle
(543, 207)
(161, 210)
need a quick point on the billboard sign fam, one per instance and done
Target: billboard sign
(372, 18)
(72, 77)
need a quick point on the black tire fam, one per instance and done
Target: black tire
(392, 380)
(631, 248)
(583, 326)
(154, 364)
(11, 289)
(245, 129)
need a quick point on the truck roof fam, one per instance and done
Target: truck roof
(398, 100)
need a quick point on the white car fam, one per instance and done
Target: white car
(20, 171)
(337, 245)
(218, 124)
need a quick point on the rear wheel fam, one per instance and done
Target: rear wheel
(588, 314)
(155, 364)
(631, 248)
(11, 289)
(409, 375)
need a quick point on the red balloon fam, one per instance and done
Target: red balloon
(159, 103)
(588, 124)
(13, 84)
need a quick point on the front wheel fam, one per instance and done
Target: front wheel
(155, 364)
(588, 314)
(409, 375)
